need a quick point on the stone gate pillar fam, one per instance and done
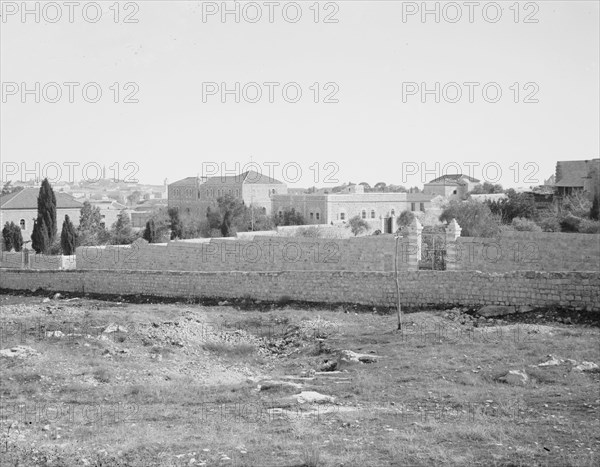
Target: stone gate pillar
(452, 255)
(414, 244)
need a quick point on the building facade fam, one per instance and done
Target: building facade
(21, 208)
(448, 186)
(194, 195)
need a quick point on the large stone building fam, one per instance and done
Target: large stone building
(338, 208)
(578, 176)
(448, 186)
(193, 195)
(21, 208)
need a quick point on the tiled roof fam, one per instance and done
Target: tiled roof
(249, 177)
(453, 179)
(573, 173)
(27, 199)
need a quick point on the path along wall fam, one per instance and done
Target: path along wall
(574, 290)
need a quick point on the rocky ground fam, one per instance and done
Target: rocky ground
(129, 381)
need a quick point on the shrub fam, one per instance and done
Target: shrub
(358, 225)
(525, 225)
(589, 226)
(570, 223)
(550, 224)
(475, 219)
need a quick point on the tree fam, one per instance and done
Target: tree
(68, 237)
(7, 236)
(595, 209)
(290, 217)
(358, 225)
(121, 231)
(40, 240)
(486, 188)
(44, 227)
(134, 198)
(475, 219)
(90, 230)
(17, 237)
(150, 232)
(8, 188)
(380, 186)
(405, 219)
(514, 205)
(226, 224)
(175, 223)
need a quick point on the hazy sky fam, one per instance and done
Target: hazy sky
(370, 134)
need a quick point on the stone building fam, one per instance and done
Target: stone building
(21, 208)
(338, 208)
(452, 185)
(193, 195)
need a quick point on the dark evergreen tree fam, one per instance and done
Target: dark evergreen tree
(40, 241)
(68, 237)
(16, 237)
(46, 205)
(175, 223)
(150, 231)
(7, 237)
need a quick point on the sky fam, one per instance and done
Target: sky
(371, 61)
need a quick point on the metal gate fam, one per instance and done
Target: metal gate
(433, 250)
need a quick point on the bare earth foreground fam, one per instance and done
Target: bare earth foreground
(92, 382)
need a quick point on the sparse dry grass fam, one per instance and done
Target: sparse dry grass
(429, 401)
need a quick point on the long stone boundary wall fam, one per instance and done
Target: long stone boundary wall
(21, 260)
(261, 253)
(525, 251)
(574, 290)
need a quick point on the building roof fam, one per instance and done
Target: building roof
(453, 179)
(27, 199)
(573, 173)
(249, 177)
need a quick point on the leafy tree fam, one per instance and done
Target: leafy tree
(514, 205)
(91, 231)
(8, 188)
(380, 186)
(358, 225)
(487, 188)
(7, 236)
(405, 219)
(226, 224)
(40, 240)
(121, 231)
(134, 197)
(290, 217)
(476, 219)
(68, 237)
(595, 209)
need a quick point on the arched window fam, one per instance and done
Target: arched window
(22, 224)
(342, 216)
(372, 213)
(393, 212)
(363, 214)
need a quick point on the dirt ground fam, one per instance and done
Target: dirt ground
(97, 382)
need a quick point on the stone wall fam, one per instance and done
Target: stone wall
(261, 253)
(574, 290)
(34, 261)
(525, 251)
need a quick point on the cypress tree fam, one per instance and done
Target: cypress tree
(17, 237)
(46, 205)
(7, 236)
(68, 237)
(40, 241)
(595, 210)
(150, 231)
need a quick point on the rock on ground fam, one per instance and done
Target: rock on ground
(515, 377)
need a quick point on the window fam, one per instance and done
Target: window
(22, 224)
(273, 191)
(342, 216)
(393, 212)
(318, 216)
(280, 214)
(454, 192)
(412, 206)
(312, 215)
(372, 213)
(363, 214)
(264, 210)
(422, 207)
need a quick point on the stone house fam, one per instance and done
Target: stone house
(21, 208)
(193, 195)
(577, 177)
(452, 185)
